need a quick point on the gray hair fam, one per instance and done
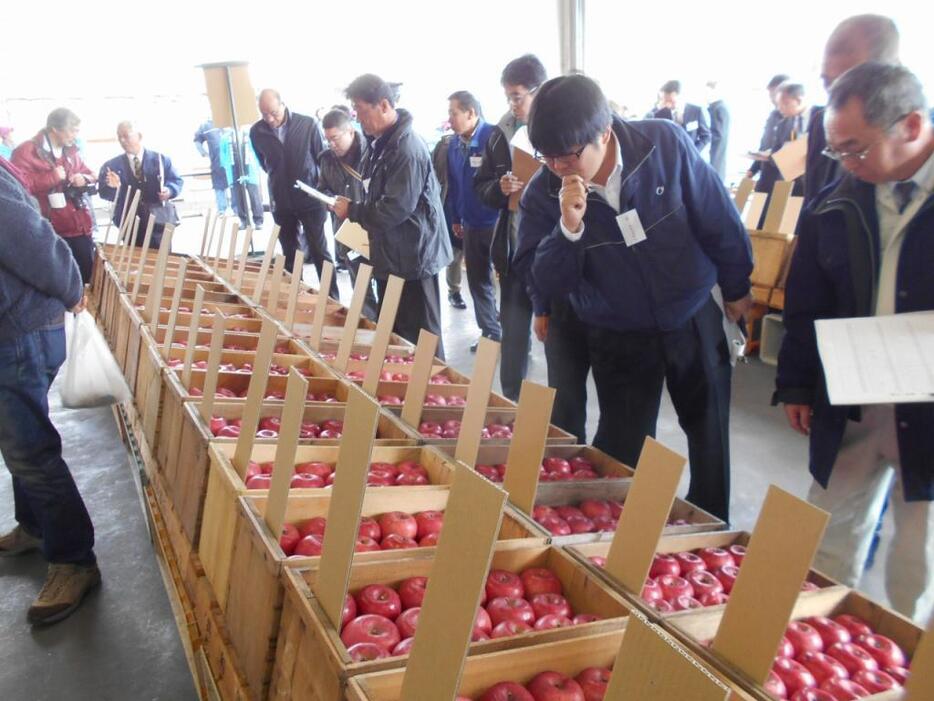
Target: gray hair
(62, 118)
(887, 92)
(128, 124)
(876, 33)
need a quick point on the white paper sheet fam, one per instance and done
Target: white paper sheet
(879, 359)
(317, 194)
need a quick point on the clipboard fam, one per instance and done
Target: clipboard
(524, 166)
(791, 159)
(354, 237)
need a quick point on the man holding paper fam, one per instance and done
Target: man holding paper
(865, 248)
(633, 227)
(401, 210)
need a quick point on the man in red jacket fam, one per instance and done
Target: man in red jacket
(57, 178)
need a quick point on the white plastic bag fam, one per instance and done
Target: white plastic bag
(91, 376)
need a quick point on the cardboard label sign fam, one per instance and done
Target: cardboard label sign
(920, 685)
(472, 519)
(173, 312)
(264, 266)
(415, 392)
(524, 166)
(295, 284)
(777, 561)
(232, 252)
(791, 159)
(286, 448)
(746, 186)
(645, 514)
(353, 316)
(244, 256)
(272, 301)
(652, 666)
(353, 462)
(208, 220)
(214, 360)
(355, 237)
(142, 258)
(321, 305)
(157, 287)
(478, 399)
(255, 394)
(528, 444)
(387, 319)
(192, 335)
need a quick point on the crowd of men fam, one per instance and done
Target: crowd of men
(624, 255)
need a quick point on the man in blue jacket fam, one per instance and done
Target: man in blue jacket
(141, 169)
(630, 223)
(473, 221)
(39, 280)
(865, 248)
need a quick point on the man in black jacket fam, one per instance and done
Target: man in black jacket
(855, 40)
(341, 164)
(771, 124)
(287, 145)
(401, 210)
(690, 117)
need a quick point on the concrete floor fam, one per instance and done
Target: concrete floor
(123, 644)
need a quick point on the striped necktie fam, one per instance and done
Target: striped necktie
(137, 169)
(903, 192)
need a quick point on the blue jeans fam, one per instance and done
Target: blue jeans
(221, 197)
(46, 498)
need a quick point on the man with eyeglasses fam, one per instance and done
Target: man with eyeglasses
(287, 145)
(634, 227)
(854, 41)
(864, 249)
(340, 174)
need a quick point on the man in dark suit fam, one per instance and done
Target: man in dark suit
(690, 117)
(719, 129)
(288, 145)
(147, 171)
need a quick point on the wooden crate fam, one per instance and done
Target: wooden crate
(398, 389)
(254, 599)
(604, 465)
(675, 544)
(556, 436)
(702, 625)
(246, 341)
(186, 440)
(225, 485)
(312, 662)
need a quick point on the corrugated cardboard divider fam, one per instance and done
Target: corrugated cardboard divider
(418, 381)
(528, 444)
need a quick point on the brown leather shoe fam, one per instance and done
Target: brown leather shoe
(64, 590)
(18, 542)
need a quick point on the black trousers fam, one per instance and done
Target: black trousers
(629, 370)
(515, 311)
(568, 355)
(419, 308)
(312, 224)
(480, 280)
(82, 248)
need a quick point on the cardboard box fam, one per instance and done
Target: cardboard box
(556, 436)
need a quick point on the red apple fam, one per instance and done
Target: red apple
(844, 689)
(429, 540)
(310, 545)
(813, 695)
(598, 561)
(394, 541)
(502, 583)
(713, 599)
(794, 675)
(550, 621)
(715, 558)
(507, 629)
(412, 591)
(556, 525)
(690, 562)
(318, 524)
(822, 666)
(554, 686)
(259, 482)
(856, 625)
(555, 604)
(482, 621)
(785, 648)
(804, 638)
(322, 469)
(229, 431)
(409, 479)
(580, 524)
(217, 423)
(605, 524)
(875, 682)
(651, 591)
(271, 423)
(289, 538)
(564, 511)
(398, 523)
(775, 687)
(704, 583)
(593, 682)
(664, 564)
(673, 587)
(366, 545)
(379, 479)
(582, 618)
(539, 511)
(306, 482)
(380, 600)
(738, 553)
(853, 657)
(884, 650)
(559, 465)
(594, 508)
(408, 621)
(369, 528)
(266, 433)
(507, 608)
(404, 647)
(727, 576)
(540, 580)
(490, 472)
(507, 691)
(428, 522)
(371, 628)
(684, 603)
(616, 508)
(367, 652)
(830, 631)
(349, 612)
(899, 674)
(662, 606)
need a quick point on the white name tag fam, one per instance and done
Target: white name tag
(631, 227)
(57, 200)
(475, 161)
(691, 126)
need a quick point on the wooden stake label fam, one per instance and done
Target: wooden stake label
(244, 256)
(472, 520)
(255, 394)
(193, 328)
(652, 666)
(321, 305)
(286, 448)
(208, 218)
(529, 436)
(142, 259)
(387, 319)
(232, 253)
(173, 312)
(353, 315)
(415, 391)
(222, 226)
(340, 538)
(264, 266)
(778, 557)
(645, 514)
(478, 399)
(157, 287)
(295, 286)
(272, 301)
(214, 360)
